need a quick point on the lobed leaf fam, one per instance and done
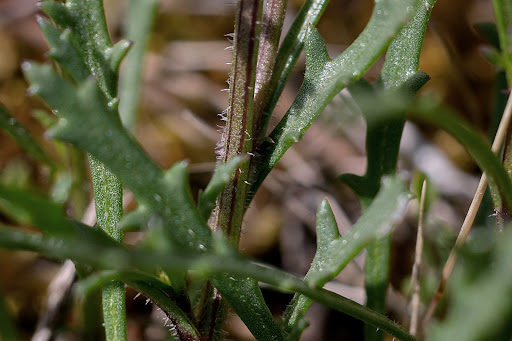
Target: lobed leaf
(399, 78)
(63, 50)
(82, 248)
(402, 57)
(335, 252)
(288, 53)
(88, 122)
(292, 321)
(90, 38)
(325, 78)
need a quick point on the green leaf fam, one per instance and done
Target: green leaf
(319, 87)
(221, 177)
(141, 17)
(289, 52)
(187, 224)
(479, 296)
(135, 219)
(244, 296)
(84, 248)
(35, 209)
(399, 78)
(428, 111)
(16, 130)
(382, 140)
(158, 292)
(88, 122)
(335, 252)
(292, 321)
(93, 247)
(84, 47)
(402, 58)
(108, 194)
(63, 51)
(86, 21)
(49, 217)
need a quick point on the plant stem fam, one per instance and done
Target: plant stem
(378, 257)
(236, 141)
(108, 194)
(237, 135)
(272, 24)
(415, 281)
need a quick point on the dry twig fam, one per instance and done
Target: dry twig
(415, 283)
(470, 217)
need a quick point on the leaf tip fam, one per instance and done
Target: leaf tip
(326, 226)
(315, 50)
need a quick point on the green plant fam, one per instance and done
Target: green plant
(188, 241)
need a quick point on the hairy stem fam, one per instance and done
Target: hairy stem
(237, 135)
(236, 141)
(272, 24)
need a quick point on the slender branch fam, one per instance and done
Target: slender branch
(415, 283)
(470, 217)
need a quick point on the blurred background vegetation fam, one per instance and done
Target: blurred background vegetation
(185, 73)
